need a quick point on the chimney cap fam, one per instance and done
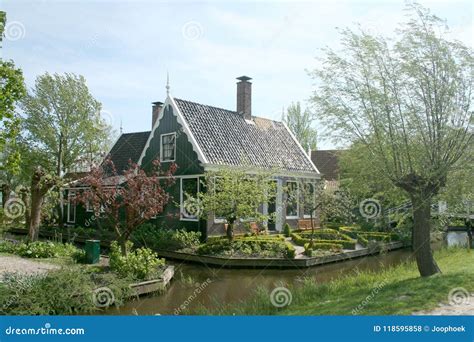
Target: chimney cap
(244, 78)
(157, 103)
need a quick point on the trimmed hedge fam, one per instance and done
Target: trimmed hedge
(365, 238)
(325, 237)
(333, 247)
(273, 237)
(251, 246)
(350, 231)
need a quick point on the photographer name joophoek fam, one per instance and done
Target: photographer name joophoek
(419, 328)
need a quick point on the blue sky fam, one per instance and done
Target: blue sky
(125, 48)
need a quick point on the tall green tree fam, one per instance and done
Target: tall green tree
(12, 90)
(300, 123)
(63, 127)
(235, 195)
(63, 123)
(362, 181)
(409, 100)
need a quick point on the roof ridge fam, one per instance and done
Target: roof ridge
(136, 132)
(227, 110)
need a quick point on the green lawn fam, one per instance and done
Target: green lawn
(393, 291)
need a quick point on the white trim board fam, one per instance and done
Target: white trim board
(186, 130)
(301, 147)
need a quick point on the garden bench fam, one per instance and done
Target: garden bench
(306, 224)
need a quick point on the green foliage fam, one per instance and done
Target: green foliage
(234, 195)
(273, 247)
(41, 249)
(310, 249)
(364, 182)
(287, 230)
(300, 123)
(324, 237)
(151, 236)
(63, 123)
(12, 90)
(138, 264)
(365, 237)
(68, 291)
(398, 291)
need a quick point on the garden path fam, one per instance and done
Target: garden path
(466, 308)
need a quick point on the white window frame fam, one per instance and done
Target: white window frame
(161, 147)
(89, 208)
(181, 197)
(314, 201)
(297, 201)
(71, 194)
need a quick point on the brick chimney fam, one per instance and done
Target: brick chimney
(155, 111)
(244, 97)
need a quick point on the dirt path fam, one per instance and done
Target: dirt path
(465, 308)
(11, 264)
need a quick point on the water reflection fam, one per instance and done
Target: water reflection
(232, 285)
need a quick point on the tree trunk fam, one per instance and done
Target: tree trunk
(230, 230)
(26, 200)
(6, 193)
(123, 245)
(35, 219)
(421, 235)
(39, 187)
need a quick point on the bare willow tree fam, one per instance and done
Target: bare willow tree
(409, 100)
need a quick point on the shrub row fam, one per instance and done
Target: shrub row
(41, 249)
(248, 246)
(365, 238)
(333, 247)
(325, 238)
(68, 291)
(151, 236)
(138, 264)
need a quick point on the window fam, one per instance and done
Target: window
(71, 207)
(89, 207)
(168, 147)
(189, 199)
(292, 199)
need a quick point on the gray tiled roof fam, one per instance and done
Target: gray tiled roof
(227, 139)
(128, 147)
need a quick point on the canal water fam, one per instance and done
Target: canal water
(195, 285)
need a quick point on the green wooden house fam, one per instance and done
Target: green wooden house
(200, 138)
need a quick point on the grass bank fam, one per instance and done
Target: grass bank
(393, 291)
